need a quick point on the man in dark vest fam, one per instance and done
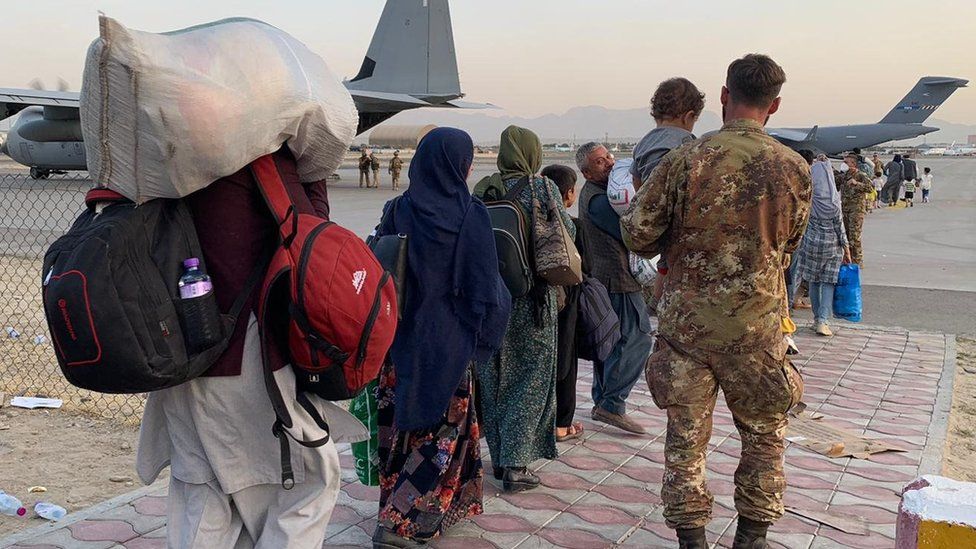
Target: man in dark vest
(613, 379)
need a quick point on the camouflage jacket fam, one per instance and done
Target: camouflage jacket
(396, 164)
(364, 162)
(374, 162)
(853, 185)
(723, 210)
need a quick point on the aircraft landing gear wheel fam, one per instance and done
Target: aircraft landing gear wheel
(37, 173)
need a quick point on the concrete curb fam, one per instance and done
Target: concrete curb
(932, 456)
(84, 514)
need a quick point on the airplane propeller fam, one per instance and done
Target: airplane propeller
(38, 84)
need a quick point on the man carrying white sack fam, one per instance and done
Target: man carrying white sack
(214, 431)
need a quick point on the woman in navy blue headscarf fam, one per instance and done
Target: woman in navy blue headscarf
(456, 313)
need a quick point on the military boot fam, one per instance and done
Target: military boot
(693, 538)
(750, 534)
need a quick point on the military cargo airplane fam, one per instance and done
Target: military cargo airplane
(903, 122)
(410, 63)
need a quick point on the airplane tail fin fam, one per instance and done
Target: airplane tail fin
(921, 102)
(412, 52)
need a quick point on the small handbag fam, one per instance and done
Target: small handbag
(557, 261)
(391, 251)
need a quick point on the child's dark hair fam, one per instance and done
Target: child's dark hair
(675, 97)
(563, 176)
(927, 169)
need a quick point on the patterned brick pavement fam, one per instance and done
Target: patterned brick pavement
(604, 490)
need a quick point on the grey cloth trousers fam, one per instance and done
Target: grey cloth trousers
(265, 516)
(613, 379)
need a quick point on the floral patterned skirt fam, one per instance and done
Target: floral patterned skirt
(430, 479)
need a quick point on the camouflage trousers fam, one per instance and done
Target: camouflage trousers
(854, 224)
(364, 178)
(760, 389)
(395, 175)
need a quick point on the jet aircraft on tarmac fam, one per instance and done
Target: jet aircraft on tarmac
(410, 63)
(903, 122)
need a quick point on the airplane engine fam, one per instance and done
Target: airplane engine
(46, 145)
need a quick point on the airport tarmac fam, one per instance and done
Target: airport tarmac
(920, 263)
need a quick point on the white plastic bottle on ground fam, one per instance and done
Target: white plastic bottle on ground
(10, 505)
(49, 511)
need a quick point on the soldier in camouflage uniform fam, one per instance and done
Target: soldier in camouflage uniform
(396, 165)
(854, 187)
(364, 169)
(724, 211)
(374, 163)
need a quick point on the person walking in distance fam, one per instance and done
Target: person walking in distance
(896, 174)
(878, 164)
(609, 263)
(854, 187)
(364, 164)
(374, 164)
(926, 185)
(911, 168)
(396, 165)
(724, 210)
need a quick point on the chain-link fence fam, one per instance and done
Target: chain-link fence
(33, 214)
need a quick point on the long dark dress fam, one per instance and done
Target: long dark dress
(430, 479)
(518, 386)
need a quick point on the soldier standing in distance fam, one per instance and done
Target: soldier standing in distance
(854, 186)
(364, 169)
(374, 163)
(724, 210)
(396, 165)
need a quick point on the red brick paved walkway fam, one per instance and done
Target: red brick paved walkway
(604, 490)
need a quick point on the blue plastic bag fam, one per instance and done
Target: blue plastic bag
(847, 293)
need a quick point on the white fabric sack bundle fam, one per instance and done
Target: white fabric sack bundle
(620, 187)
(164, 115)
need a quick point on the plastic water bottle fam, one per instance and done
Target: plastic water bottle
(202, 326)
(10, 505)
(194, 282)
(49, 511)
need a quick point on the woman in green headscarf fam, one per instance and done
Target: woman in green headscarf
(518, 386)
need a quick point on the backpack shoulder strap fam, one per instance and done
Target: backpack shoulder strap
(517, 189)
(272, 187)
(276, 196)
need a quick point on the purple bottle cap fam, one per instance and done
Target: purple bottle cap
(21, 512)
(191, 263)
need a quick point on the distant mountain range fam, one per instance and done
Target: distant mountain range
(581, 124)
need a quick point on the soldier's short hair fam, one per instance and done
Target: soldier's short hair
(583, 154)
(755, 80)
(563, 176)
(807, 155)
(674, 97)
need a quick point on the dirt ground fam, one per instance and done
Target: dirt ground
(961, 440)
(76, 457)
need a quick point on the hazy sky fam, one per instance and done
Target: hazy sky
(846, 61)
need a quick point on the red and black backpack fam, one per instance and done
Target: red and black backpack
(328, 301)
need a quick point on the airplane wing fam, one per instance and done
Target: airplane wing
(376, 101)
(796, 135)
(13, 100)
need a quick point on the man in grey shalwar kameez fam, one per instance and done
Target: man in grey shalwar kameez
(215, 431)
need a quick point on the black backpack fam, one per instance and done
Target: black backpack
(513, 240)
(112, 302)
(597, 327)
